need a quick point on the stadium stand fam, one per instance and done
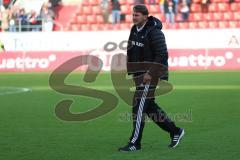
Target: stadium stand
(87, 15)
(221, 14)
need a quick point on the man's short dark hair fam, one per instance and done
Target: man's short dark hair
(141, 8)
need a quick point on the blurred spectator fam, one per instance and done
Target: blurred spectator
(1, 17)
(2, 49)
(151, 1)
(53, 5)
(34, 21)
(139, 2)
(5, 19)
(231, 1)
(185, 10)
(116, 11)
(13, 19)
(169, 11)
(204, 5)
(161, 5)
(47, 16)
(175, 6)
(105, 10)
(189, 3)
(23, 20)
(6, 3)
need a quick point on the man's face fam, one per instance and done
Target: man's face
(138, 18)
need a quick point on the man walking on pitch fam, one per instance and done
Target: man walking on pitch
(147, 49)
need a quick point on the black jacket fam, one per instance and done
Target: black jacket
(148, 45)
(116, 5)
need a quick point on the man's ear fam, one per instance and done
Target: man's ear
(145, 17)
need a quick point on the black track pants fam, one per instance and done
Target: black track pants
(144, 105)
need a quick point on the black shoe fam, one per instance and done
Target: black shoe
(175, 138)
(130, 148)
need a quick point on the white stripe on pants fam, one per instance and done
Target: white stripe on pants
(139, 113)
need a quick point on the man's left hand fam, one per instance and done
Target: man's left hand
(147, 78)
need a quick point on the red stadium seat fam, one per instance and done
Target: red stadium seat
(86, 10)
(85, 27)
(109, 27)
(74, 20)
(122, 2)
(131, 2)
(160, 16)
(203, 25)
(128, 18)
(170, 26)
(223, 7)
(116, 27)
(219, 1)
(124, 26)
(104, 27)
(213, 7)
(233, 24)
(82, 19)
(197, 17)
(74, 27)
(208, 16)
(100, 19)
(223, 24)
(126, 2)
(235, 7)
(196, 1)
(193, 25)
(183, 25)
(195, 7)
(95, 27)
(94, 2)
(178, 18)
(91, 19)
(96, 10)
(125, 9)
(79, 11)
(85, 2)
(154, 9)
(212, 24)
(190, 18)
(236, 16)
(228, 16)
(217, 16)
(166, 26)
(215, 1)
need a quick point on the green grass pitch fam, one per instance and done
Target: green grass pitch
(29, 129)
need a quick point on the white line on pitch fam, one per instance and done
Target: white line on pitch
(12, 90)
(176, 87)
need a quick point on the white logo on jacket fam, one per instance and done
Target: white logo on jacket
(139, 44)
